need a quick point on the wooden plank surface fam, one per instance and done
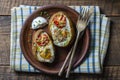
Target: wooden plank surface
(4, 40)
(109, 7)
(112, 60)
(113, 53)
(109, 73)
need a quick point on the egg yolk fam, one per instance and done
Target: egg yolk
(42, 40)
(46, 54)
(60, 20)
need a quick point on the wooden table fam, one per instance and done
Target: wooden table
(112, 62)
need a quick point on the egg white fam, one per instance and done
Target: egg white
(48, 46)
(67, 27)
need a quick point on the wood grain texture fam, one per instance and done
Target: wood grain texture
(109, 7)
(113, 54)
(109, 73)
(4, 49)
(5, 24)
(112, 57)
(4, 40)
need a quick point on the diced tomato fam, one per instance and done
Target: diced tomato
(61, 17)
(60, 21)
(60, 26)
(42, 40)
(38, 35)
(38, 43)
(56, 22)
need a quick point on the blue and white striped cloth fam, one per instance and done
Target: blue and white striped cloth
(99, 32)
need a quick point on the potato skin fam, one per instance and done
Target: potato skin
(34, 45)
(71, 26)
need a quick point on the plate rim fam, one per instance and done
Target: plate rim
(23, 49)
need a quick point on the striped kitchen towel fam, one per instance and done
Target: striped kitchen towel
(99, 32)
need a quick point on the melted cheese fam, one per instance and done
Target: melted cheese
(67, 27)
(42, 49)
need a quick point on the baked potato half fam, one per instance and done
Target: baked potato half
(42, 47)
(61, 29)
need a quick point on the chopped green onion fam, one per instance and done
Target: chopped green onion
(34, 44)
(34, 24)
(36, 21)
(30, 34)
(45, 12)
(41, 13)
(28, 40)
(48, 17)
(39, 21)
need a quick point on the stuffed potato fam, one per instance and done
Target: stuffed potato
(42, 47)
(61, 29)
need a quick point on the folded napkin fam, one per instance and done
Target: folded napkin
(99, 36)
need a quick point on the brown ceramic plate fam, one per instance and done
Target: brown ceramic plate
(61, 53)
